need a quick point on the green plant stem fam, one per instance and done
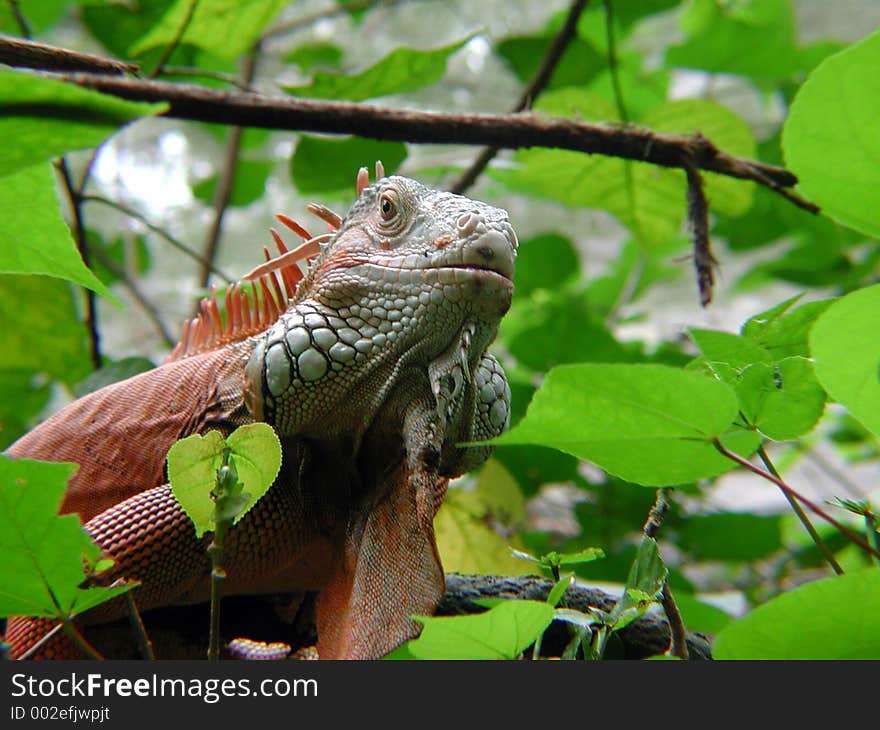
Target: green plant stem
(79, 236)
(722, 449)
(612, 61)
(182, 247)
(802, 516)
(74, 633)
(178, 36)
(140, 631)
(677, 631)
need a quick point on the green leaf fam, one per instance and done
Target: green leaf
(718, 32)
(846, 349)
(47, 118)
(193, 463)
(502, 632)
(472, 526)
(649, 200)
(587, 555)
(829, 136)
(227, 28)
(22, 396)
(310, 55)
(731, 536)
(38, 239)
(643, 585)
(321, 165)
(401, 71)
(648, 424)
(43, 554)
(578, 65)
(37, 312)
(783, 331)
(545, 261)
(784, 400)
(700, 616)
(249, 184)
(833, 618)
(118, 25)
(732, 349)
(559, 588)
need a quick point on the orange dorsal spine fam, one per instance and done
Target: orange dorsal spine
(273, 284)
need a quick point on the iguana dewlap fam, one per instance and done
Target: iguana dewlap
(371, 370)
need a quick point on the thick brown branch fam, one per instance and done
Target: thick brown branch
(31, 54)
(513, 131)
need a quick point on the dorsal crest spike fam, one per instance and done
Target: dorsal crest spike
(363, 180)
(380, 170)
(270, 286)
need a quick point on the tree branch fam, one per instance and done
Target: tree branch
(698, 217)
(536, 85)
(32, 54)
(513, 131)
(788, 490)
(226, 177)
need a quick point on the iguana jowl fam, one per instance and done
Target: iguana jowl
(371, 370)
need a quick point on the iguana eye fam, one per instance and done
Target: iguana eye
(387, 206)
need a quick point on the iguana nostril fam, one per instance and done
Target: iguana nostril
(467, 223)
(486, 252)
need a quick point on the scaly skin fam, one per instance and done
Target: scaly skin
(373, 374)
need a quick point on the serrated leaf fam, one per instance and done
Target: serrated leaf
(193, 463)
(648, 424)
(833, 618)
(38, 240)
(322, 165)
(47, 118)
(43, 554)
(401, 71)
(502, 632)
(846, 348)
(829, 136)
(211, 25)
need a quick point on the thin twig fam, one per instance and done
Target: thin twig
(677, 632)
(131, 213)
(79, 236)
(802, 516)
(42, 642)
(74, 633)
(612, 61)
(226, 180)
(721, 448)
(698, 217)
(137, 625)
(175, 41)
(536, 85)
(149, 308)
(19, 18)
(513, 131)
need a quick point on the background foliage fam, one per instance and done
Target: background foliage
(620, 380)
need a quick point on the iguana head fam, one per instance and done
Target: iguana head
(412, 280)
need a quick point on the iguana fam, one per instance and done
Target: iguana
(371, 367)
